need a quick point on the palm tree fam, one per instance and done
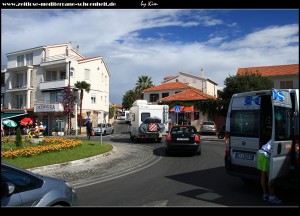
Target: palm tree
(82, 86)
(142, 83)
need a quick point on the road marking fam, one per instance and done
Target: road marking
(159, 203)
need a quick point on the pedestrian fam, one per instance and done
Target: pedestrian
(89, 128)
(2, 130)
(263, 164)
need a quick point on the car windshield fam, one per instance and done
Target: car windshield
(180, 130)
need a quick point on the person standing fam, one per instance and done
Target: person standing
(263, 164)
(89, 128)
(2, 130)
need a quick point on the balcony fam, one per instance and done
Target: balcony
(55, 84)
(57, 59)
(16, 88)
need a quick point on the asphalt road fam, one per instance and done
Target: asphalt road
(177, 180)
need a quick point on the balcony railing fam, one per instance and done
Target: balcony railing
(59, 57)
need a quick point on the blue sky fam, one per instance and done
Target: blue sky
(159, 43)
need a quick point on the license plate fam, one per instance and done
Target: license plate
(183, 139)
(244, 156)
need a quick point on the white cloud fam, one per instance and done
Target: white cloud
(115, 35)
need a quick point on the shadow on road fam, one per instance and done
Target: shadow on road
(229, 191)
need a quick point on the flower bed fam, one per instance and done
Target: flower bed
(49, 144)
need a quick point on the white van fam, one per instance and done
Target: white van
(148, 121)
(253, 119)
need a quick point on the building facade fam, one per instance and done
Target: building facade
(282, 76)
(199, 82)
(36, 77)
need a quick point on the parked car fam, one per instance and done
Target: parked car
(106, 128)
(20, 187)
(208, 127)
(183, 138)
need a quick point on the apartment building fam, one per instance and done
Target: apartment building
(197, 81)
(36, 77)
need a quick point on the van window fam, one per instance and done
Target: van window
(283, 123)
(244, 123)
(144, 116)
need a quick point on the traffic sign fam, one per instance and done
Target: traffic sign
(177, 109)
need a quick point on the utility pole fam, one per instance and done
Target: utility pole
(69, 114)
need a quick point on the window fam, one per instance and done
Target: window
(20, 60)
(21, 101)
(154, 97)
(2, 79)
(144, 116)
(283, 123)
(165, 94)
(62, 75)
(196, 115)
(22, 181)
(21, 80)
(56, 97)
(93, 99)
(29, 59)
(51, 75)
(86, 74)
(244, 123)
(286, 84)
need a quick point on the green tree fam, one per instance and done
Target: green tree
(242, 83)
(82, 86)
(18, 140)
(142, 83)
(128, 99)
(112, 111)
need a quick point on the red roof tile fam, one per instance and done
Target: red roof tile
(168, 86)
(278, 70)
(188, 95)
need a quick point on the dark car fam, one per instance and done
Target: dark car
(20, 187)
(183, 138)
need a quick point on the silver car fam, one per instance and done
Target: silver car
(208, 127)
(20, 187)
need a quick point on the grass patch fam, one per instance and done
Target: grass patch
(87, 149)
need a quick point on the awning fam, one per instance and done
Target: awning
(11, 115)
(189, 109)
(184, 109)
(181, 109)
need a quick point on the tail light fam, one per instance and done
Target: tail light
(168, 138)
(197, 138)
(227, 143)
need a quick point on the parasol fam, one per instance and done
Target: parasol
(26, 121)
(9, 123)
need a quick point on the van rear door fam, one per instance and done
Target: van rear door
(280, 159)
(244, 130)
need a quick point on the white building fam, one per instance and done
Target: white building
(199, 82)
(36, 78)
